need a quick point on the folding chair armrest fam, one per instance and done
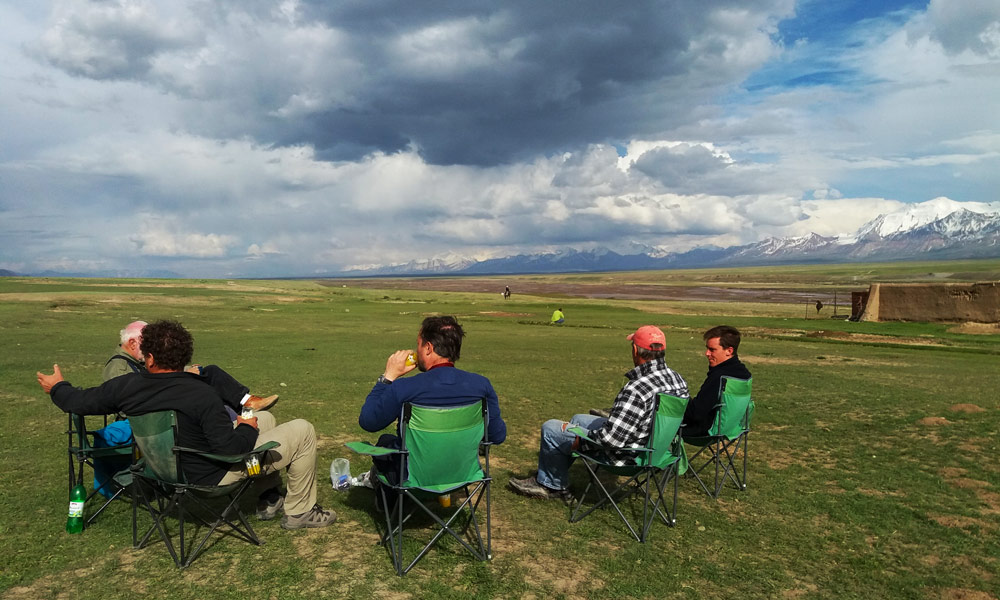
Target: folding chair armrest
(265, 447)
(580, 432)
(371, 449)
(229, 458)
(594, 445)
(124, 477)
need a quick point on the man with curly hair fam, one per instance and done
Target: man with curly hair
(202, 422)
(128, 359)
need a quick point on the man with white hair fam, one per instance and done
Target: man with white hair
(202, 424)
(129, 359)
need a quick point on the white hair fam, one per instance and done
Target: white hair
(132, 330)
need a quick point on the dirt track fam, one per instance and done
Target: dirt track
(596, 290)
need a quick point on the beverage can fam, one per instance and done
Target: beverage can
(411, 359)
(253, 466)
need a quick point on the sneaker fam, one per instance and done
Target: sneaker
(531, 488)
(256, 403)
(600, 412)
(316, 517)
(268, 509)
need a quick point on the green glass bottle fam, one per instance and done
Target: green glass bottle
(77, 496)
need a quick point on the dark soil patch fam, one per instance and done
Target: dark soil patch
(580, 290)
(966, 408)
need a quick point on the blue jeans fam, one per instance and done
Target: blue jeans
(555, 455)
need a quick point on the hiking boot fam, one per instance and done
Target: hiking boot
(315, 517)
(531, 488)
(258, 403)
(600, 412)
(268, 509)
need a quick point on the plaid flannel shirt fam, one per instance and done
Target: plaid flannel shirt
(630, 418)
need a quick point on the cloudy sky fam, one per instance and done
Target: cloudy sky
(218, 138)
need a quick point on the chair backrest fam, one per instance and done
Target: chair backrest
(155, 433)
(442, 443)
(663, 430)
(735, 408)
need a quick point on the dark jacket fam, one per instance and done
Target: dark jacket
(202, 421)
(701, 411)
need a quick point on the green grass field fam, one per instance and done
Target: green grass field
(873, 457)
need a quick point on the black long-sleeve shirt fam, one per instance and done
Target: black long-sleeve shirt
(202, 421)
(700, 410)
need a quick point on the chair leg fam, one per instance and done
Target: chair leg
(746, 450)
(243, 530)
(712, 449)
(107, 502)
(603, 498)
(445, 527)
(158, 514)
(731, 450)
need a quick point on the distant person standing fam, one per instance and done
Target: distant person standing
(506, 292)
(557, 317)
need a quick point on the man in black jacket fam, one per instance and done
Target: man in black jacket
(128, 359)
(202, 421)
(721, 343)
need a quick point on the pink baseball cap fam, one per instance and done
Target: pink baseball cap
(646, 336)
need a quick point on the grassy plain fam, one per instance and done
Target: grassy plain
(873, 469)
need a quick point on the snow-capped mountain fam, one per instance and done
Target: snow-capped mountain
(916, 216)
(449, 263)
(939, 228)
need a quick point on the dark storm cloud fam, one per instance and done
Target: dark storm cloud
(462, 82)
(548, 76)
(696, 169)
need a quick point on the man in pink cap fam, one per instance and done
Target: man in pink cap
(627, 425)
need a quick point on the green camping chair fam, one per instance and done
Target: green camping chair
(162, 489)
(83, 453)
(661, 460)
(439, 454)
(726, 439)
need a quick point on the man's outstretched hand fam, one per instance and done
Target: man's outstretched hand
(47, 381)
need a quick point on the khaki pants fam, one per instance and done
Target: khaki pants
(297, 453)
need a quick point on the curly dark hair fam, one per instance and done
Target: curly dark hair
(170, 344)
(445, 334)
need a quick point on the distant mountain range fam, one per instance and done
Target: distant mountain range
(936, 229)
(131, 273)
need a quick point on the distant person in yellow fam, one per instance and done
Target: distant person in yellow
(557, 317)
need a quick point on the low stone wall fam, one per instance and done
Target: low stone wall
(978, 302)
